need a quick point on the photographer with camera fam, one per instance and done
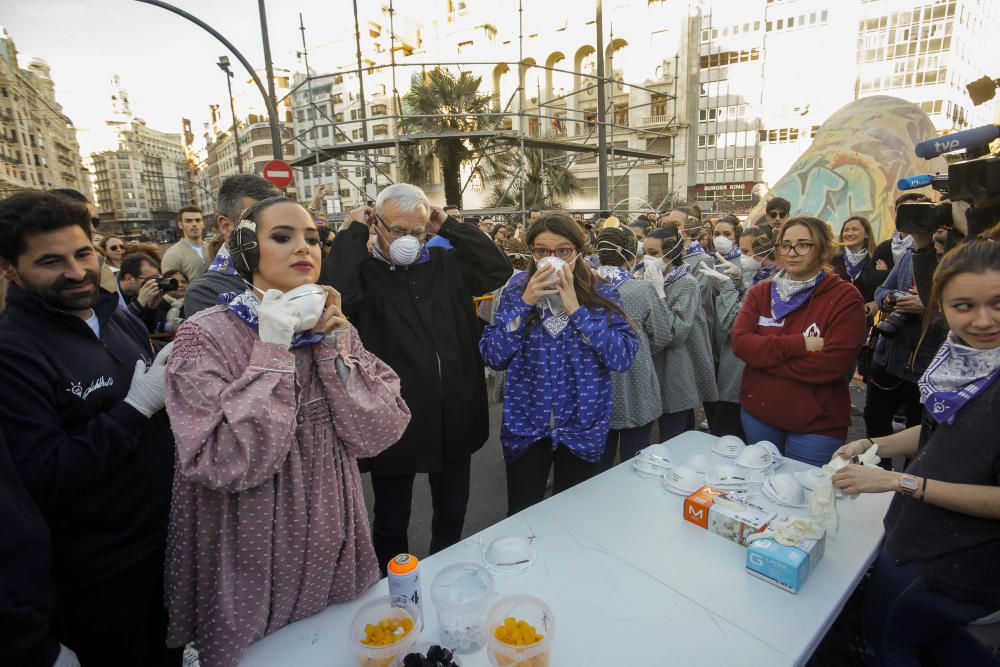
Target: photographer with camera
(141, 287)
(899, 354)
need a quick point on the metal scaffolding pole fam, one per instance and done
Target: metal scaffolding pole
(312, 107)
(361, 90)
(269, 69)
(602, 116)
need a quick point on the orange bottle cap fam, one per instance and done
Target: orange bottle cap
(403, 564)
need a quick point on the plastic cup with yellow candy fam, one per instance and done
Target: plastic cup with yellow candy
(521, 631)
(383, 629)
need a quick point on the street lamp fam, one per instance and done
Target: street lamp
(224, 66)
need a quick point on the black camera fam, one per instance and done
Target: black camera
(164, 284)
(923, 218)
(167, 284)
(895, 321)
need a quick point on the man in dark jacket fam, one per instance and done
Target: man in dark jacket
(83, 419)
(235, 194)
(27, 594)
(413, 309)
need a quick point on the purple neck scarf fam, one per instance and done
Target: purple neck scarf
(763, 273)
(694, 249)
(855, 262)
(614, 275)
(788, 295)
(676, 273)
(956, 376)
(732, 254)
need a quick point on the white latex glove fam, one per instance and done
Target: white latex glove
(276, 320)
(66, 658)
(146, 394)
(654, 278)
(727, 267)
(790, 531)
(714, 275)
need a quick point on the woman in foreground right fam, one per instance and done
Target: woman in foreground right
(937, 569)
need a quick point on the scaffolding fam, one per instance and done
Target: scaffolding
(510, 130)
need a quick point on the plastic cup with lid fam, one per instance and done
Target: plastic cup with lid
(462, 593)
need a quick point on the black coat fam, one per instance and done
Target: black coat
(420, 320)
(27, 593)
(99, 470)
(868, 280)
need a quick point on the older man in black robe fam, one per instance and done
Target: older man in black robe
(413, 308)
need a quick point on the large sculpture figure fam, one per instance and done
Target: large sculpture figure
(853, 165)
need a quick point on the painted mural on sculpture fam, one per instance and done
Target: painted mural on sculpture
(854, 162)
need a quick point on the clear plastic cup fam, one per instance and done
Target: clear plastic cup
(534, 612)
(383, 607)
(461, 594)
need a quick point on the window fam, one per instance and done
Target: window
(301, 115)
(378, 109)
(729, 58)
(701, 166)
(339, 116)
(338, 99)
(381, 130)
(355, 134)
(707, 140)
(324, 131)
(658, 105)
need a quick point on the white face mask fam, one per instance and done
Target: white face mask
(653, 265)
(723, 245)
(402, 251)
(306, 302)
(751, 263)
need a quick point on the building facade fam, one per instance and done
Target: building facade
(771, 72)
(38, 144)
(142, 182)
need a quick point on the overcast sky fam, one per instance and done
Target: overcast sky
(166, 64)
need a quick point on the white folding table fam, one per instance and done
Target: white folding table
(630, 582)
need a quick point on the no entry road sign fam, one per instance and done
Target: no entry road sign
(278, 173)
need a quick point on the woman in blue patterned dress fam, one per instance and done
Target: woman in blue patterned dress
(558, 332)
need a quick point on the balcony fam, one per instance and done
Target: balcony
(656, 121)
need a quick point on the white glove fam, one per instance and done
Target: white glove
(66, 658)
(276, 320)
(790, 531)
(146, 394)
(654, 278)
(714, 275)
(728, 267)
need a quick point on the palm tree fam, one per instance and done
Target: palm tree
(545, 181)
(439, 102)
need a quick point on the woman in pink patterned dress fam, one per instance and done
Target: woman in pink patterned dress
(268, 524)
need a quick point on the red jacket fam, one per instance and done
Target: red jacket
(785, 386)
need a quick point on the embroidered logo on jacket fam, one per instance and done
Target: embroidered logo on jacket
(813, 331)
(76, 388)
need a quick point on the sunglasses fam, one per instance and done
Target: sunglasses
(116, 248)
(777, 214)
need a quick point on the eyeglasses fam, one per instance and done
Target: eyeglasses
(399, 232)
(564, 254)
(116, 248)
(774, 215)
(800, 249)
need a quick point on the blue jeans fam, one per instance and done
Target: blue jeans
(903, 621)
(672, 424)
(810, 448)
(632, 440)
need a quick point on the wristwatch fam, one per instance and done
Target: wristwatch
(908, 484)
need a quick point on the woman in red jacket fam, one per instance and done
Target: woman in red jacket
(799, 334)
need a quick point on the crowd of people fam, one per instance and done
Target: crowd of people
(183, 436)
